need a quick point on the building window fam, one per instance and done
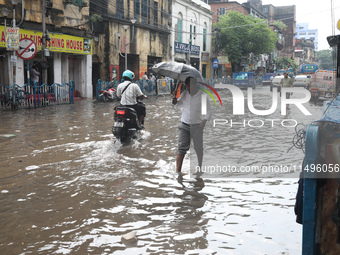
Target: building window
(204, 39)
(120, 9)
(265, 10)
(190, 34)
(220, 11)
(145, 11)
(155, 13)
(302, 33)
(179, 29)
(137, 9)
(312, 38)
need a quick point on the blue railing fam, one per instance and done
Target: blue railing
(35, 96)
(151, 88)
(147, 87)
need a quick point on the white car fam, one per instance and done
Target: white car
(302, 81)
(275, 83)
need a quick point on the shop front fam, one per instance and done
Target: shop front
(67, 58)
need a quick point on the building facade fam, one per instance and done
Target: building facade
(132, 34)
(64, 50)
(191, 34)
(303, 32)
(286, 14)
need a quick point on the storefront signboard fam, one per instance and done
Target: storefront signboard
(58, 43)
(184, 48)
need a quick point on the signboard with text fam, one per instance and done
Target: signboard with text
(215, 63)
(184, 48)
(58, 42)
(12, 38)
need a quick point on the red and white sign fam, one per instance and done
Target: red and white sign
(27, 49)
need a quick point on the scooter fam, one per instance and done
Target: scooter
(108, 95)
(126, 125)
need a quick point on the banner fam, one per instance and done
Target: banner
(58, 42)
(12, 38)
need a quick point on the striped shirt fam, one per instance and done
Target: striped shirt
(130, 94)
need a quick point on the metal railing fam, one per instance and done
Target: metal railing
(35, 96)
(149, 88)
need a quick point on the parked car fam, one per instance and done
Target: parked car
(266, 78)
(302, 81)
(276, 83)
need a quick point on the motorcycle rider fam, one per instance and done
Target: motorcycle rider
(129, 91)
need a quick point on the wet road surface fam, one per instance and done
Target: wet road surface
(66, 186)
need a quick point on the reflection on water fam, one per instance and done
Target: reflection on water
(66, 187)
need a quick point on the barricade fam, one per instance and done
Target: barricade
(35, 96)
(164, 86)
(148, 87)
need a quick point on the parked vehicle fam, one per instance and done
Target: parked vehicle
(302, 81)
(276, 83)
(125, 126)
(309, 69)
(323, 85)
(290, 72)
(266, 78)
(108, 95)
(244, 79)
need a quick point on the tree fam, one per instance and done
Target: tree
(285, 63)
(280, 25)
(239, 35)
(327, 59)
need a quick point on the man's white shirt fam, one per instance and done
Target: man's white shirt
(130, 94)
(192, 108)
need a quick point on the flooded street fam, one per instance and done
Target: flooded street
(66, 186)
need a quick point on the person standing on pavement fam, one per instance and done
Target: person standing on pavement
(35, 74)
(192, 122)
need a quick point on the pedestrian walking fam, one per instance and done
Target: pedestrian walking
(192, 122)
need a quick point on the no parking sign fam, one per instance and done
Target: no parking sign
(27, 49)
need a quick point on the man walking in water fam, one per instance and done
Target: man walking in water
(192, 122)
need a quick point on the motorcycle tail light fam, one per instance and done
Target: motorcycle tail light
(120, 112)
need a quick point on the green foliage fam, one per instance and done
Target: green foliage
(285, 63)
(280, 25)
(327, 59)
(96, 18)
(239, 35)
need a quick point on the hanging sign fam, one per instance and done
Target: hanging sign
(27, 49)
(215, 63)
(12, 38)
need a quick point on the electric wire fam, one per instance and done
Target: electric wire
(299, 138)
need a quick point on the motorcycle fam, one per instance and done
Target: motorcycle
(108, 95)
(126, 125)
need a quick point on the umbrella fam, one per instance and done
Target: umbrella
(177, 71)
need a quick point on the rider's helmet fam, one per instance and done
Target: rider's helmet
(128, 75)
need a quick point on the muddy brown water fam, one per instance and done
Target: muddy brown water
(66, 186)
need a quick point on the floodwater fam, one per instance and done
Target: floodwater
(66, 186)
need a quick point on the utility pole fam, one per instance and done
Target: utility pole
(43, 43)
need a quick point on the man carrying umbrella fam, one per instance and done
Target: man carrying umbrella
(192, 122)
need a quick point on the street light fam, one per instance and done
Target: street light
(5, 13)
(133, 21)
(14, 3)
